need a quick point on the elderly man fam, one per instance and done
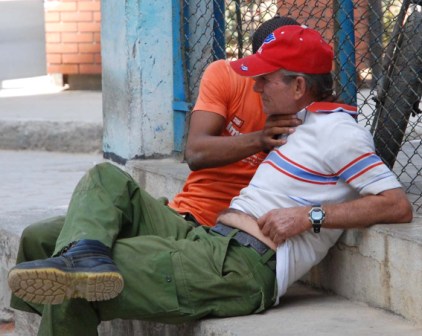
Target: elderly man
(324, 179)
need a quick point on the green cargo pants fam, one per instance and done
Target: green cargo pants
(173, 272)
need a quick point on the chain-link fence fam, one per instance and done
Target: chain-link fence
(386, 57)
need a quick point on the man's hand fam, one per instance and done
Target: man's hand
(389, 206)
(281, 224)
(275, 126)
(206, 147)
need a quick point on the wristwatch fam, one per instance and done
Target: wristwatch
(316, 217)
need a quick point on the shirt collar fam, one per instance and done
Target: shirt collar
(329, 107)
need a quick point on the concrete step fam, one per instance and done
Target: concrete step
(380, 266)
(63, 121)
(43, 188)
(303, 311)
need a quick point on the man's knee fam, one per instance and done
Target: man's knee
(107, 171)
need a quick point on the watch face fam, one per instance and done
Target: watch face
(317, 215)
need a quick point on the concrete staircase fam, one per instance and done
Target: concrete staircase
(369, 284)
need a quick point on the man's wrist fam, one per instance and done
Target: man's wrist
(316, 217)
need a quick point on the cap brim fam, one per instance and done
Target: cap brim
(252, 66)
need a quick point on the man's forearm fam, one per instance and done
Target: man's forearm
(216, 151)
(391, 206)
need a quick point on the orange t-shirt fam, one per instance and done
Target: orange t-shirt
(209, 191)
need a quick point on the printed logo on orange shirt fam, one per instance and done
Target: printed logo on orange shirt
(233, 125)
(231, 129)
(237, 121)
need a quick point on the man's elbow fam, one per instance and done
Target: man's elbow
(407, 213)
(193, 159)
(396, 207)
(404, 211)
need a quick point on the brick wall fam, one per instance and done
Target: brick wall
(73, 36)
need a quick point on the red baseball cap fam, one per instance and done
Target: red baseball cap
(292, 48)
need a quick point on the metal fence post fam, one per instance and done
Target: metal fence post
(180, 81)
(345, 50)
(219, 29)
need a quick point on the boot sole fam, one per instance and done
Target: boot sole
(52, 286)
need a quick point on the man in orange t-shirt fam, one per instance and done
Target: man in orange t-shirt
(229, 136)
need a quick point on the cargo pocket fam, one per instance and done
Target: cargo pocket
(160, 291)
(150, 295)
(220, 254)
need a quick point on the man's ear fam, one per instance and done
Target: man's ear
(300, 87)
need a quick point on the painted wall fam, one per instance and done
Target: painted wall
(137, 80)
(22, 41)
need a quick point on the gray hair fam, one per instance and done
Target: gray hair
(319, 85)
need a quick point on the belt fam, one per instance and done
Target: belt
(241, 237)
(247, 240)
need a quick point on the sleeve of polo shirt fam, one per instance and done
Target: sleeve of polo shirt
(351, 156)
(214, 89)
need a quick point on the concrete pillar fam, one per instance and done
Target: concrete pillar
(137, 86)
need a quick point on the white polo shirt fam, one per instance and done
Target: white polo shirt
(328, 159)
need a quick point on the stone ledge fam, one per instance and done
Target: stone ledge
(381, 266)
(302, 311)
(55, 136)
(164, 177)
